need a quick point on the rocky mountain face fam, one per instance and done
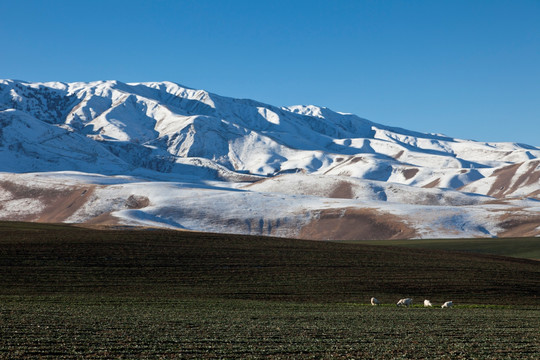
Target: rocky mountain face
(159, 154)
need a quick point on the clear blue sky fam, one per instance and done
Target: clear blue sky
(469, 69)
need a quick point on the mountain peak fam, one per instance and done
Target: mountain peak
(167, 121)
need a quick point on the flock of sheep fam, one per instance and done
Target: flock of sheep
(408, 301)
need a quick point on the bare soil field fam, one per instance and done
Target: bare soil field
(68, 292)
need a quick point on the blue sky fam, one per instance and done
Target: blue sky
(468, 69)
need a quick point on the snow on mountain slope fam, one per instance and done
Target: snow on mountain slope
(222, 207)
(164, 122)
(325, 186)
(208, 162)
(28, 144)
(516, 180)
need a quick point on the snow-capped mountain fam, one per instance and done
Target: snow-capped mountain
(201, 161)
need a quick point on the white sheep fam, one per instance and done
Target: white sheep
(427, 303)
(406, 302)
(447, 304)
(374, 301)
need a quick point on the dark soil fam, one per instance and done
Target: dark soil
(37, 259)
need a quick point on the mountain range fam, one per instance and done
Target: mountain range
(160, 154)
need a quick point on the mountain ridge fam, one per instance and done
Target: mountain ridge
(164, 132)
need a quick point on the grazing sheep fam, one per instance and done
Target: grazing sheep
(427, 303)
(374, 301)
(406, 302)
(447, 304)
